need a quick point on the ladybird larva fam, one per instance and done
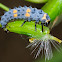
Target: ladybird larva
(26, 13)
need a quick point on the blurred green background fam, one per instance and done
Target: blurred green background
(12, 46)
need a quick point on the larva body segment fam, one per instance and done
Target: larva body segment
(26, 13)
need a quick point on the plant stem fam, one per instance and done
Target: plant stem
(4, 7)
(28, 29)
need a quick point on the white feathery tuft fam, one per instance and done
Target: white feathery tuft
(43, 46)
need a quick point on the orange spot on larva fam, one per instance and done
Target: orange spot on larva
(14, 11)
(27, 15)
(28, 10)
(15, 15)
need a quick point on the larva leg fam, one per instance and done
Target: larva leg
(35, 25)
(42, 26)
(23, 23)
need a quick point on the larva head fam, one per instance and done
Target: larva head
(45, 19)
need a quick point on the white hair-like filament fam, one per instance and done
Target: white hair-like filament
(43, 47)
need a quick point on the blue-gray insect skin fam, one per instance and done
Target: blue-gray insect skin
(26, 13)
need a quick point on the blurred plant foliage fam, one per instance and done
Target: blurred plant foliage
(37, 1)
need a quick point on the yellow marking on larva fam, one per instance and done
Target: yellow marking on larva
(31, 40)
(15, 15)
(47, 20)
(28, 10)
(27, 15)
(44, 17)
(14, 11)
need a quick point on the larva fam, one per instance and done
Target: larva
(26, 13)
